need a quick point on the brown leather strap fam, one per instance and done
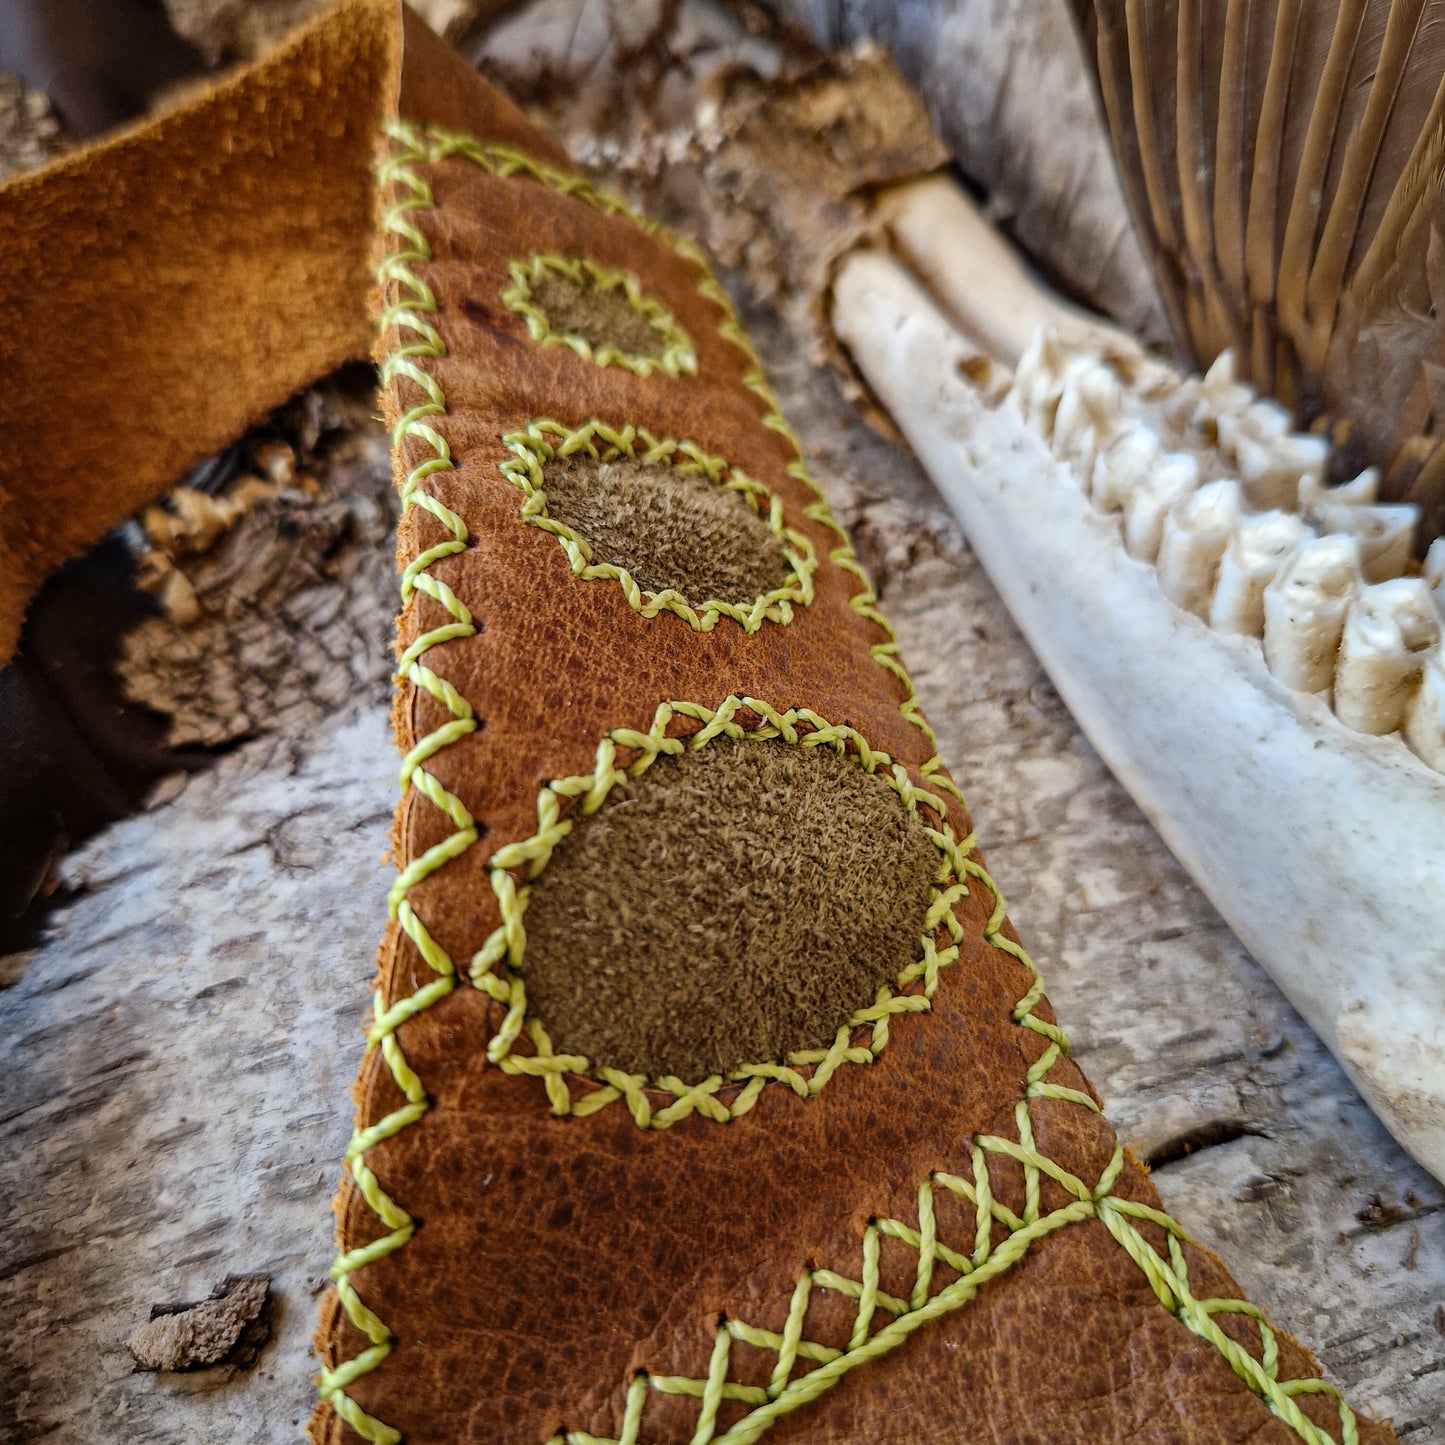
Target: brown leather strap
(925, 1230)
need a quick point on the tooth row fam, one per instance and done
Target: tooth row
(1232, 509)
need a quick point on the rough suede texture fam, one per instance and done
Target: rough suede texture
(162, 291)
(600, 317)
(726, 908)
(669, 529)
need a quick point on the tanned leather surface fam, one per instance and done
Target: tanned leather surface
(556, 1257)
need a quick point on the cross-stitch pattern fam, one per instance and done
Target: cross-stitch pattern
(803, 1370)
(545, 440)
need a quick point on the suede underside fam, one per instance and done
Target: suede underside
(601, 316)
(725, 908)
(668, 528)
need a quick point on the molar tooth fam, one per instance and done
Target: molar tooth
(1172, 479)
(1305, 609)
(1039, 379)
(1196, 532)
(1125, 466)
(1260, 546)
(1362, 491)
(1087, 415)
(1425, 715)
(1273, 468)
(1267, 418)
(1391, 627)
(1433, 571)
(1384, 532)
(1199, 402)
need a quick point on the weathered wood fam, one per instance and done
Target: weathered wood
(1008, 89)
(180, 1046)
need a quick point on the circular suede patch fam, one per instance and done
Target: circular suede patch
(730, 906)
(668, 528)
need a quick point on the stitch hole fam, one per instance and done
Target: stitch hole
(729, 906)
(669, 527)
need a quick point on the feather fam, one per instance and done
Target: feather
(1361, 153)
(1291, 187)
(1261, 248)
(1307, 199)
(1111, 51)
(1243, 66)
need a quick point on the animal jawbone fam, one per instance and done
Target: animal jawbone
(1252, 653)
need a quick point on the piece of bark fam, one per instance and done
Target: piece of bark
(227, 1328)
(287, 612)
(243, 29)
(1007, 88)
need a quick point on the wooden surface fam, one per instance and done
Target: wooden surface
(180, 1046)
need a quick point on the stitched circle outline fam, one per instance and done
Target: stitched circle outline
(679, 355)
(498, 966)
(545, 440)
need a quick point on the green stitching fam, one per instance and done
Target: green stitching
(678, 356)
(435, 144)
(976, 1263)
(545, 440)
(1168, 1279)
(498, 965)
(408, 316)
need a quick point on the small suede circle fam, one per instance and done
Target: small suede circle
(601, 316)
(668, 527)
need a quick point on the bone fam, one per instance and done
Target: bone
(1390, 629)
(1145, 509)
(1425, 715)
(1253, 786)
(1258, 549)
(1305, 609)
(1196, 532)
(995, 301)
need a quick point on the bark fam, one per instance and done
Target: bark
(1007, 88)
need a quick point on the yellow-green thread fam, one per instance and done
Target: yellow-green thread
(499, 965)
(803, 1370)
(407, 317)
(545, 441)
(678, 356)
(435, 144)
(1167, 1278)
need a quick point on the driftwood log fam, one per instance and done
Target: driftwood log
(180, 1042)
